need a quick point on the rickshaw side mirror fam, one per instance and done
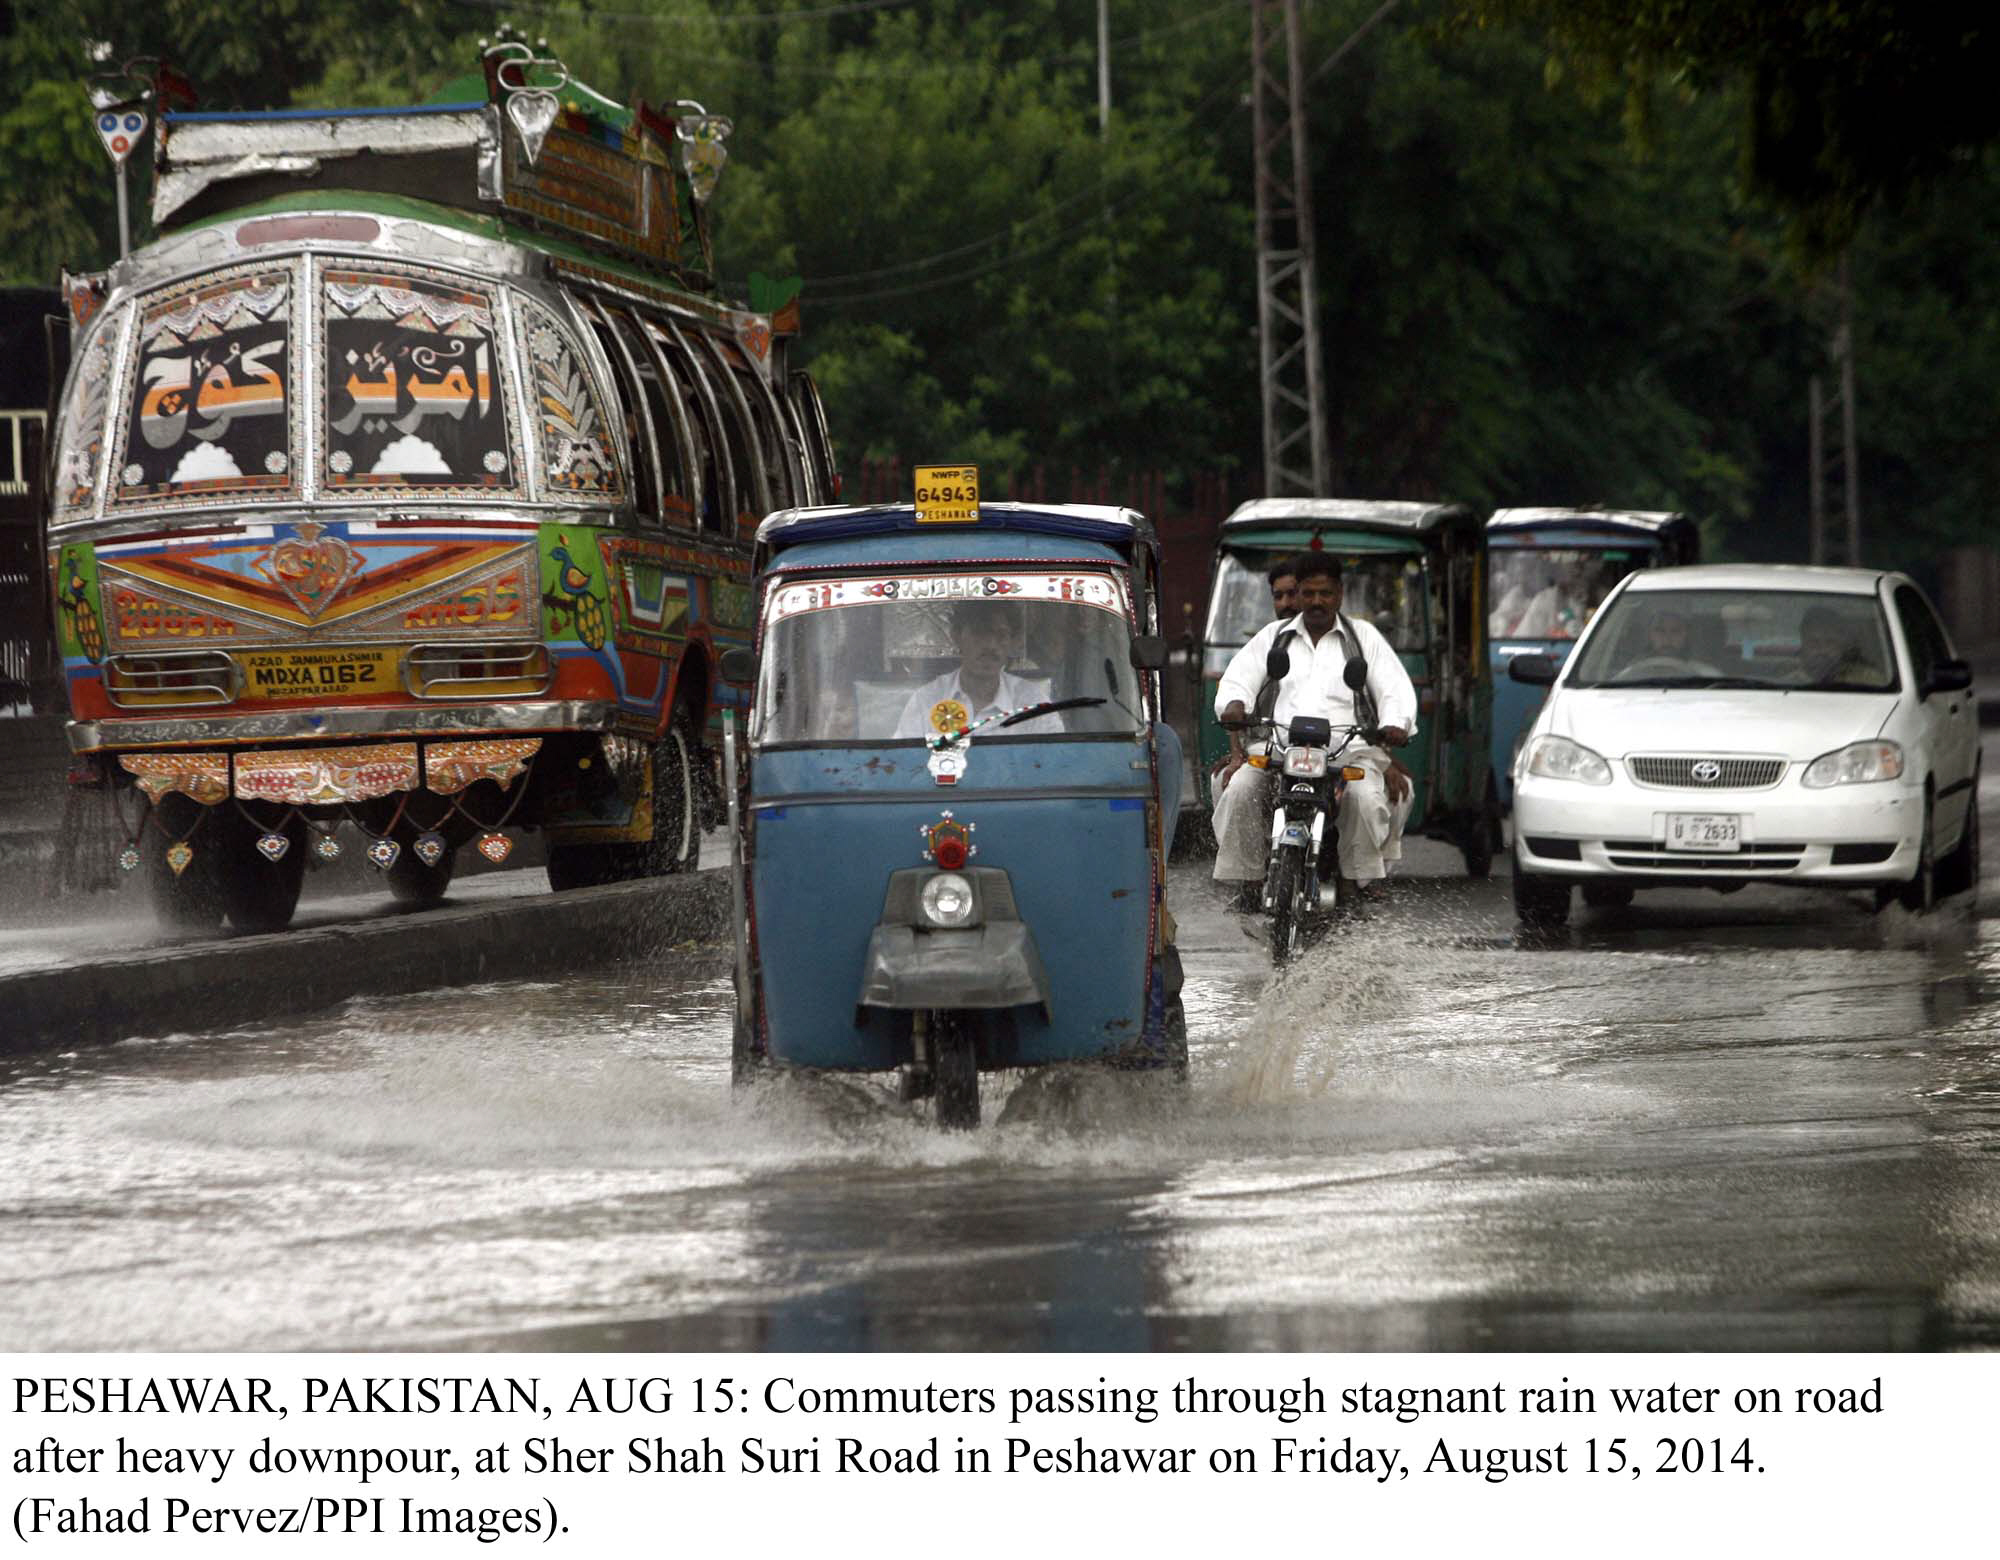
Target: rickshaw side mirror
(739, 665)
(1277, 664)
(1539, 670)
(1355, 673)
(1149, 652)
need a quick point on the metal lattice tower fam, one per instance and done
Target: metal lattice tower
(1291, 373)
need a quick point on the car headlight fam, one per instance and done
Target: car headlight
(1558, 758)
(1307, 761)
(1854, 764)
(948, 900)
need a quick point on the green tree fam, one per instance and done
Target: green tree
(1844, 103)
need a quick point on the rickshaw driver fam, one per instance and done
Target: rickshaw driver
(988, 636)
(1282, 576)
(1314, 686)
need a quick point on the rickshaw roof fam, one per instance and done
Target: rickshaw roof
(1360, 524)
(1122, 528)
(1514, 527)
(1368, 514)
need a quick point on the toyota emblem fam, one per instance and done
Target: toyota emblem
(1707, 771)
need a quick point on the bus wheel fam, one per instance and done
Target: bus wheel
(955, 1071)
(189, 901)
(413, 883)
(260, 895)
(676, 844)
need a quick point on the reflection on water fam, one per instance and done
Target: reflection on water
(1423, 1136)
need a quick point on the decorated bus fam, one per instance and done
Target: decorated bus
(404, 492)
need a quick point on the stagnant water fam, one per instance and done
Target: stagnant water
(1717, 1123)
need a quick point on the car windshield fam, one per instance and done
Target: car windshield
(1385, 589)
(1810, 641)
(880, 657)
(1551, 592)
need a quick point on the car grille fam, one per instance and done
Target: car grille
(1731, 774)
(1764, 856)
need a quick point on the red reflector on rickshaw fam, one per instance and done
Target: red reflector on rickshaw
(950, 853)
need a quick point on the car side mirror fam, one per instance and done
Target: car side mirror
(739, 665)
(1149, 652)
(1277, 664)
(1949, 677)
(1355, 673)
(1538, 670)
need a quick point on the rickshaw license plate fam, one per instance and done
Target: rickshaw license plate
(1704, 831)
(303, 674)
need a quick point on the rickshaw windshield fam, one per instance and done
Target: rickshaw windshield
(1387, 590)
(878, 658)
(1551, 592)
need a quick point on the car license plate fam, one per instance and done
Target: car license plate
(1704, 831)
(307, 674)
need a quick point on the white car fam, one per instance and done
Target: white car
(1752, 723)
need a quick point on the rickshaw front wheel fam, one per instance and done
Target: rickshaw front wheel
(954, 1071)
(1481, 840)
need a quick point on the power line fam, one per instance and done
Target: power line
(1358, 34)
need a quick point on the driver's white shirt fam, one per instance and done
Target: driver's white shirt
(1314, 685)
(1013, 693)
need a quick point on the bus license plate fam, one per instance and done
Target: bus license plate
(308, 674)
(1704, 831)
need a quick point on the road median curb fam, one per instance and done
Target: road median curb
(249, 980)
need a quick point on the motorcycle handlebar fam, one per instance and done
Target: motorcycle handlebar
(1371, 736)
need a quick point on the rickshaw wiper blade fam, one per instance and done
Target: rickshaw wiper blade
(1050, 708)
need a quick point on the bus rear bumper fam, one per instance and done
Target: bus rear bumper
(432, 720)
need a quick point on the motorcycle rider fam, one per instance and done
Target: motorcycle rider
(1319, 641)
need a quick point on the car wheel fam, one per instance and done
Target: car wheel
(1919, 894)
(1541, 903)
(1958, 873)
(1608, 896)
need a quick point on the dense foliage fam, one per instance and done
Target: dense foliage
(1518, 305)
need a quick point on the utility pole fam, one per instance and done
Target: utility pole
(1103, 69)
(1828, 545)
(1290, 369)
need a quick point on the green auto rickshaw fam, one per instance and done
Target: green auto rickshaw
(1417, 571)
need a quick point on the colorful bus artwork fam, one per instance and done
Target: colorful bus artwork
(409, 504)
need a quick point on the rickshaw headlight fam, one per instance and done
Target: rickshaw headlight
(948, 900)
(1307, 761)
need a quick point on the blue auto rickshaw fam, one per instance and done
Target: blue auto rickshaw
(951, 811)
(1551, 569)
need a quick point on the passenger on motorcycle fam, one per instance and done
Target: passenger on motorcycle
(1319, 642)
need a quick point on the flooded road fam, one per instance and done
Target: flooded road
(1768, 1120)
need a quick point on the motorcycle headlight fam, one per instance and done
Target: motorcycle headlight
(1855, 764)
(1558, 758)
(1307, 761)
(948, 900)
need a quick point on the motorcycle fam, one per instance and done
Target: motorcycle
(1303, 849)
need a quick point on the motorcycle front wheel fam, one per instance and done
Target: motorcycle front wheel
(1288, 890)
